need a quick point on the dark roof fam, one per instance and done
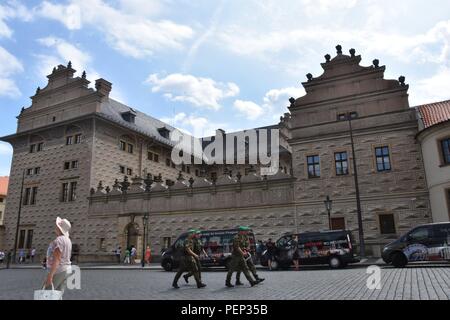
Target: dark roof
(434, 113)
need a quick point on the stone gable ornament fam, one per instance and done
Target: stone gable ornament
(38, 89)
(83, 76)
(148, 182)
(339, 49)
(291, 100)
(327, 58)
(108, 189)
(376, 63)
(352, 52)
(402, 80)
(309, 76)
(125, 184)
(191, 182)
(69, 65)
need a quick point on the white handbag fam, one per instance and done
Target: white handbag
(48, 294)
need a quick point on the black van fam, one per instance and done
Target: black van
(429, 242)
(217, 244)
(334, 248)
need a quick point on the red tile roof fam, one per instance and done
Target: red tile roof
(434, 113)
(4, 185)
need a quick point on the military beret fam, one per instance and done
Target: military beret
(243, 228)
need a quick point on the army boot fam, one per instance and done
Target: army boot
(186, 278)
(239, 283)
(175, 285)
(258, 279)
(229, 285)
(201, 285)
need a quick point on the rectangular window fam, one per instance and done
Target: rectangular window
(32, 148)
(382, 159)
(65, 192)
(122, 169)
(196, 172)
(168, 162)
(69, 140)
(387, 224)
(29, 239)
(183, 167)
(1, 199)
(173, 165)
(129, 171)
(213, 176)
(40, 146)
(75, 164)
(37, 170)
(123, 146)
(1, 215)
(67, 165)
(337, 224)
(130, 148)
(33, 195)
(21, 239)
(29, 172)
(78, 139)
(341, 163)
(73, 191)
(27, 196)
(445, 144)
(155, 157)
(313, 166)
(188, 169)
(150, 156)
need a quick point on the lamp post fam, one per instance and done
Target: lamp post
(328, 202)
(144, 242)
(349, 116)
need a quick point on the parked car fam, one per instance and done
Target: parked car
(217, 244)
(334, 248)
(429, 242)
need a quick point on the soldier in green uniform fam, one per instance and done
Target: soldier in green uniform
(249, 261)
(197, 249)
(187, 263)
(238, 263)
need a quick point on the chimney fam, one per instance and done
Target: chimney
(103, 87)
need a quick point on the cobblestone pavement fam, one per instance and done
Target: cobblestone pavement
(414, 282)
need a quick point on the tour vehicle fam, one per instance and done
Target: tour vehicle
(428, 242)
(217, 244)
(334, 248)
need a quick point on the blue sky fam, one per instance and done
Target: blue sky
(202, 65)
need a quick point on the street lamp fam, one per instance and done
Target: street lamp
(349, 116)
(144, 242)
(328, 202)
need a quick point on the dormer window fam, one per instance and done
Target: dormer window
(164, 132)
(129, 116)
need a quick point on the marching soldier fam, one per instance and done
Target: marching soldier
(188, 263)
(250, 264)
(197, 249)
(238, 263)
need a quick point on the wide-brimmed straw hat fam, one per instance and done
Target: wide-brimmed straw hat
(63, 226)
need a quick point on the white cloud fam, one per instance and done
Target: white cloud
(249, 109)
(194, 125)
(130, 33)
(62, 52)
(12, 10)
(201, 92)
(9, 66)
(69, 15)
(5, 149)
(434, 88)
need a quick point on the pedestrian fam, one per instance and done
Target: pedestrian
(238, 263)
(133, 254)
(118, 253)
(187, 263)
(21, 256)
(198, 250)
(32, 254)
(127, 256)
(8, 258)
(58, 257)
(148, 255)
(270, 246)
(295, 254)
(2, 257)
